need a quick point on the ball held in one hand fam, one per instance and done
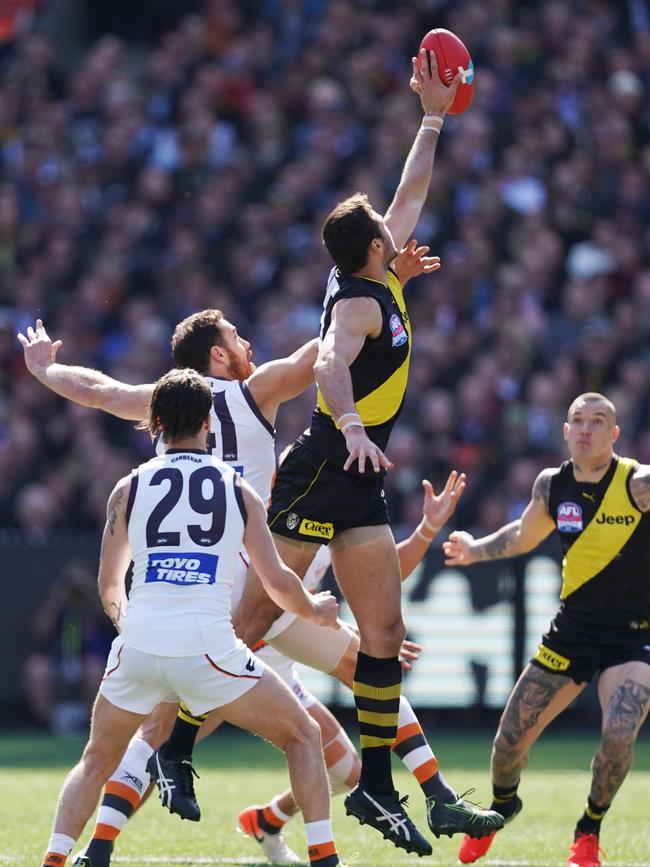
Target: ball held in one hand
(452, 58)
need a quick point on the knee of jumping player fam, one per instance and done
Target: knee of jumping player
(383, 639)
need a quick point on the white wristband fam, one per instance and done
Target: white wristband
(424, 524)
(354, 415)
(355, 423)
(433, 121)
(428, 539)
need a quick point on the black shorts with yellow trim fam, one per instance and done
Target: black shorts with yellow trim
(313, 500)
(579, 652)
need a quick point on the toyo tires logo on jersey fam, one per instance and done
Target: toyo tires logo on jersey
(569, 518)
(181, 569)
(397, 330)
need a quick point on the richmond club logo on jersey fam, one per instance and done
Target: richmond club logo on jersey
(181, 569)
(397, 330)
(569, 518)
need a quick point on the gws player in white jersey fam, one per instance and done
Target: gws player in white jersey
(182, 518)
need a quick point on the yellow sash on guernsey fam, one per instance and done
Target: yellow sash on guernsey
(604, 536)
(381, 404)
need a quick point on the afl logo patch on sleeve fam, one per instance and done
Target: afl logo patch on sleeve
(397, 330)
(569, 518)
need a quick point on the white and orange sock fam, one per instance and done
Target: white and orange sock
(122, 794)
(320, 844)
(58, 849)
(413, 749)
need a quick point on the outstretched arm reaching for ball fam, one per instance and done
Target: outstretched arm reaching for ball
(81, 384)
(436, 98)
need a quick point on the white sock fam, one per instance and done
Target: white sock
(61, 844)
(132, 770)
(275, 808)
(319, 832)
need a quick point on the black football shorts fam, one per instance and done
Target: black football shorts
(313, 500)
(578, 651)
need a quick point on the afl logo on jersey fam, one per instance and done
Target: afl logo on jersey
(569, 518)
(292, 521)
(397, 330)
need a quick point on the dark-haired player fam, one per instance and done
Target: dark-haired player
(330, 487)
(598, 503)
(182, 518)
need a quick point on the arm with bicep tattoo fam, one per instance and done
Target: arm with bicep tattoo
(640, 487)
(516, 538)
(115, 556)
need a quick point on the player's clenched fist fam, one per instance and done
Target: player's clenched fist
(326, 609)
(458, 549)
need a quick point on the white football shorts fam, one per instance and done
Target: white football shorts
(137, 681)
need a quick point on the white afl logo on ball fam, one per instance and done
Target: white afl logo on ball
(292, 521)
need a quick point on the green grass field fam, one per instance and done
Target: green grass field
(237, 770)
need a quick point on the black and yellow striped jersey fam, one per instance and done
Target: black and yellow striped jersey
(379, 373)
(606, 545)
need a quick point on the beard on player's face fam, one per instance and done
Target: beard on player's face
(239, 365)
(391, 252)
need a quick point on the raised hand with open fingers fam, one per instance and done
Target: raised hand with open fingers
(437, 509)
(412, 261)
(38, 348)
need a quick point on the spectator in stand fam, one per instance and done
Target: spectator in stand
(143, 186)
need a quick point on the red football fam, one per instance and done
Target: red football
(452, 57)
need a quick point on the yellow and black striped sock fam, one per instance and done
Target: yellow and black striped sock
(590, 821)
(377, 686)
(183, 735)
(504, 800)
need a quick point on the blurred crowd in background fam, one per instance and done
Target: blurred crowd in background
(144, 184)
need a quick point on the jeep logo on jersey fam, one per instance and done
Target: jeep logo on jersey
(292, 521)
(569, 518)
(397, 330)
(615, 519)
(181, 569)
(313, 528)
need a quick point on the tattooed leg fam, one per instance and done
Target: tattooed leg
(538, 697)
(624, 692)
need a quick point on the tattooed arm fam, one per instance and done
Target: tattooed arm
(640, 487)
(518, 537)
(115, 555)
